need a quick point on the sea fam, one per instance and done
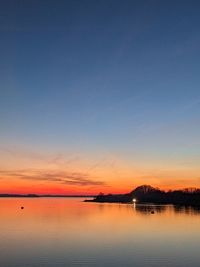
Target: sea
(65, 232)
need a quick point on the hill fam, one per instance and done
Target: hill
(149, 194)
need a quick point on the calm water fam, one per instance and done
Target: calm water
(55, 232)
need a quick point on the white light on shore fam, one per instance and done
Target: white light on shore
(134, 200)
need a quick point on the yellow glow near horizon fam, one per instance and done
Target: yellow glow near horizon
(28, 172)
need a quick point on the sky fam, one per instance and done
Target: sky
(99, 96)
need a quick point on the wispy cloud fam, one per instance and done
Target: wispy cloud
(52, 159)
(62, 177)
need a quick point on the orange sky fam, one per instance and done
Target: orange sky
(25, 171)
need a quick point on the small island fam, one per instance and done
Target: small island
(149, 194)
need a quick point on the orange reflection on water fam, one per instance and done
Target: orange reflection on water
(61, 214)
(68, 228)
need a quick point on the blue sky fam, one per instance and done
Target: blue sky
(99, 77)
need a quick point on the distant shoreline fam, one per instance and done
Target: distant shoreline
(41, 196)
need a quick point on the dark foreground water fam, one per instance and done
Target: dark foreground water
(55, 232)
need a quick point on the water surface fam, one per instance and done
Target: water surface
(55, 232)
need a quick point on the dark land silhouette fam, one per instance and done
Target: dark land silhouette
(149, 194)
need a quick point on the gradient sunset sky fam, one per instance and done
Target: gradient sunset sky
(99, 96)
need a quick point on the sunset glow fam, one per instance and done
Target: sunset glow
(99, 97)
